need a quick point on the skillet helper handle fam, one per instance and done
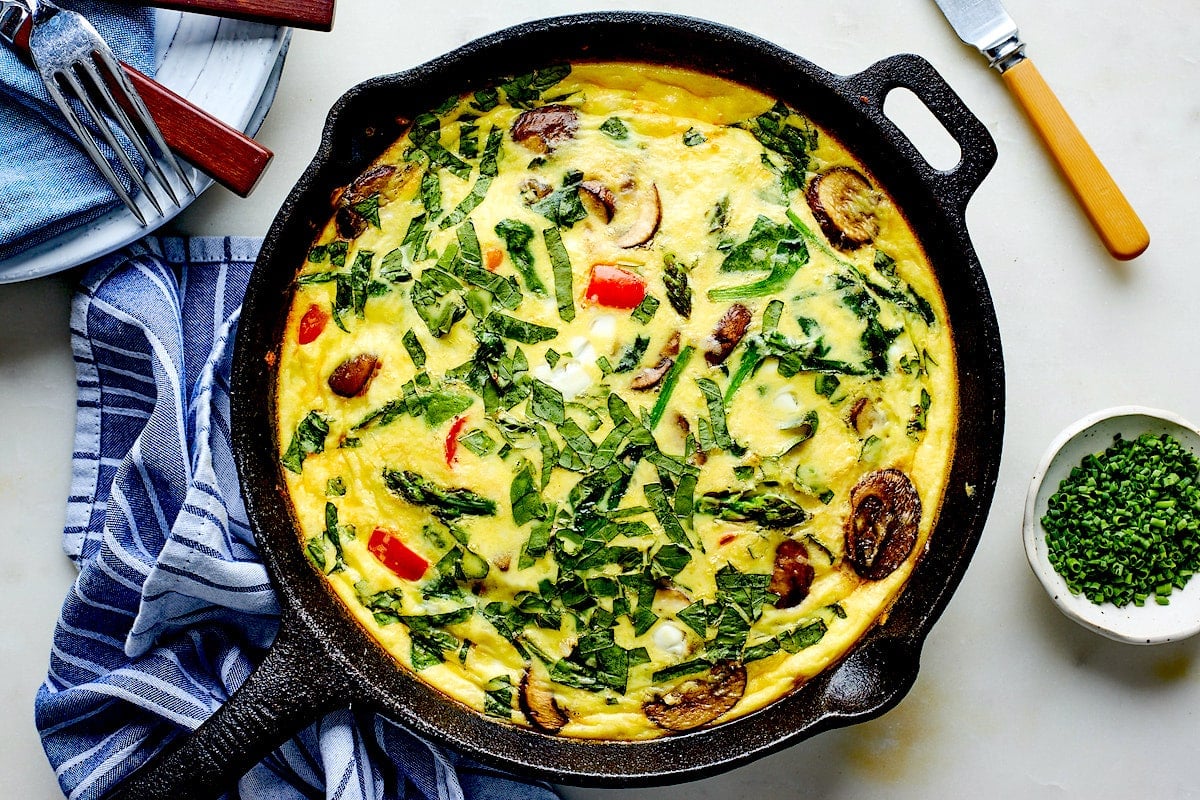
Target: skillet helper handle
(221, 151)
(313, 14)
(292, 688)
(907, 71)
(1110, 213)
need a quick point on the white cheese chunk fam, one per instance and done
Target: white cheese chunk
(670, 639)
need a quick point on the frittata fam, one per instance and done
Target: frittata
(616, 400)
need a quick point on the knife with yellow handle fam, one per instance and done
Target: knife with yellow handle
(985, 25)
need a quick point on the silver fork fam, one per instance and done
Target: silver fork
(76, 63)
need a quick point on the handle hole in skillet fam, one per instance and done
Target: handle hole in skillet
(917, 122)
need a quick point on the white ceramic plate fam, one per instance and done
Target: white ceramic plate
(1151, 623)
(231, 70)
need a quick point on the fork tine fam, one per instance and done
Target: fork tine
(92, 149)
(69, 77)
(143, 115)
(114, 110)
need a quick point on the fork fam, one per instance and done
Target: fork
(71, 57)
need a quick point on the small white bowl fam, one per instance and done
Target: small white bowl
(1151, 623)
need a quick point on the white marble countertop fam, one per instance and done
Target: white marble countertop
(1012, 700)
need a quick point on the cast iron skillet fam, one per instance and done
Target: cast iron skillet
(323, 660)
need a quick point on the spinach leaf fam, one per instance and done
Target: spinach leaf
(665, 514)
(525, 90)
(646, 309)
(614, 128)
(431, 194)
(788, 256)
(468, 204)
(444, 503)
(547, 403)
(527, 504)
(560, 263)
(693, 137)
(442, 405)
(394, 267)
(368, 209)
(309, 438)
(517, 236)
(425, 134)
(783, 131)
(517, 330)
(468, 267)
(563, 206)
(675, 279)
(478, 442)
(680, 670)
(758, 249)
(797, 639)
(498, 697)
(716, 414)
(632, 354)
(415, 351)
(696, 618)
(486, 99)
(764, 508)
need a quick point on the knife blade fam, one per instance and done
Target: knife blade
(987, 26)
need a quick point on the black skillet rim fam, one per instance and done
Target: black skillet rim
(881, 668)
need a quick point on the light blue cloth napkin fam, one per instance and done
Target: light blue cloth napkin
(47, 184)
(172, 606)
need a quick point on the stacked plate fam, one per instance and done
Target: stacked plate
(230, 69)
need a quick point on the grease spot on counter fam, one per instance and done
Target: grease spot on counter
(894, 748)
(1174, 668)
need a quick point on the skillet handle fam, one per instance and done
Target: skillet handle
(294, 686)
(871, 86)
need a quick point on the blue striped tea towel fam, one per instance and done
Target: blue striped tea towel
(172, 607)
(47, 183)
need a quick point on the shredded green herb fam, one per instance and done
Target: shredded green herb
(1124, 525)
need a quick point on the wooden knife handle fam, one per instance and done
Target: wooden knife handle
(1110, 213)
(314, 14)
(232, 158)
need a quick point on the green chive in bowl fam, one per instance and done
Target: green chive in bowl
(1167, 613)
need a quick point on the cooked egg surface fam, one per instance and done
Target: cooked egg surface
(616, 400)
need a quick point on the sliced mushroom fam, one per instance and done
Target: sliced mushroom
(383, 180)
(793, 575)
(539, 704)
(598, 199)
(698, 701)
(671, 347)
(534, 189)
(373, 181)
(844, 203)
(352, 376)
(543, 128)
(865, 415)
(885, 512)
(651, 376)
(640, 203)
(730, 330)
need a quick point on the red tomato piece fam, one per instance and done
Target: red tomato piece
(492, 258)
(615, 287)
(311, 324)
(395, 555)
(452, 439)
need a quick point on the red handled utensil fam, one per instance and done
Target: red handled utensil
(313, 14)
